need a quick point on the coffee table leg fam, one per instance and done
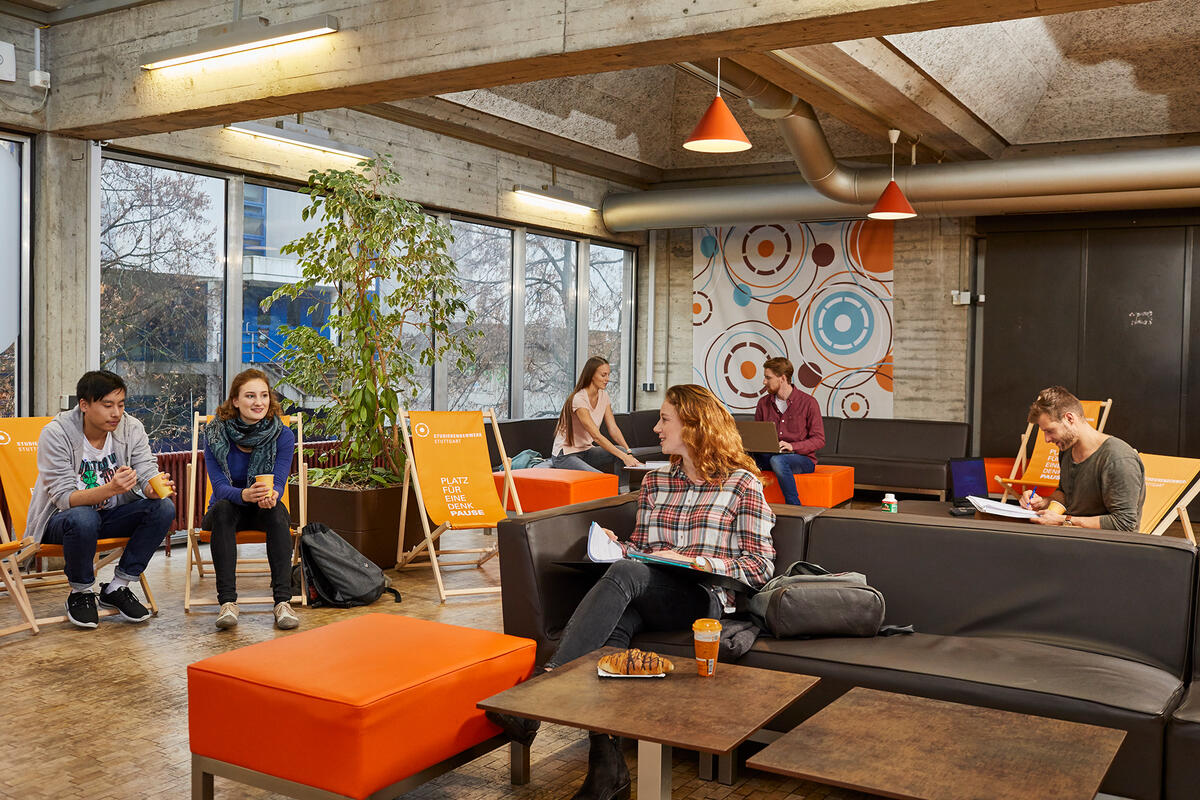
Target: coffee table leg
(654, 771)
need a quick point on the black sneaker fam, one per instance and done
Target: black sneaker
(81, 609)
(124, 602)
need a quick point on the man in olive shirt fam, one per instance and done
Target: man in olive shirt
(1102, 482)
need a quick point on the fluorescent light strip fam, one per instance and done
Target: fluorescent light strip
(553, 197)
(299, 139)
(240, 39)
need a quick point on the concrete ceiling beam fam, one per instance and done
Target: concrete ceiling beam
(387, 51)
(467, 124)
(874, 75)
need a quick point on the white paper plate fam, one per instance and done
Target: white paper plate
(604, 674)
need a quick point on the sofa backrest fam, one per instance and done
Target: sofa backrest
(791, 533)
(903, 438)
(1119, 594)
(523, 434)
(638, 427)
(833, 427)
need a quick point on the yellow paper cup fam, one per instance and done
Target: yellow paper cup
(1056, 507)
(159, 484)
(267, 479)
(707, 636)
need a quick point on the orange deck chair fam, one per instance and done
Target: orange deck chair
(196, 536)
(1171, 484)
(1040, 470)
(448, 464)
(18, 474)
(10, 577)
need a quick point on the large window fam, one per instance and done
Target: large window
(162, 281)
(13, 237)
(549, 323)
(483, 254)
(609, 331)
(271, 219)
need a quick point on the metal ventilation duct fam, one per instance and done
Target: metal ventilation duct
(1159, 178)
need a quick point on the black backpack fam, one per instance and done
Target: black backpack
(336, 574)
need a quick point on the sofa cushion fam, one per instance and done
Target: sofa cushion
(897, 473)
(1118, 594)
(903, 438)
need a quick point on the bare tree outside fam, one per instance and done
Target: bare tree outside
(609, 274)
(484, 257)
(162, 293)
(549, 323)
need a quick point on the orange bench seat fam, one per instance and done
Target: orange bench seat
(351, 708)
(540, 488)
(825, 487)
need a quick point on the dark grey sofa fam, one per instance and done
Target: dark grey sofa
(906, 455)
(1085, 626)
(1182, 779)
(538, 434)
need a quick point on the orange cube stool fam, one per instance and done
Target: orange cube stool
(365, 708)
(825, 487)
(540, 488)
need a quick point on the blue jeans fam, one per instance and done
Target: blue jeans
(631, 597)
(144, 522)
(785, 465)
(590, 460)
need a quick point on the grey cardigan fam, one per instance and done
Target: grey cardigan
(60, 449)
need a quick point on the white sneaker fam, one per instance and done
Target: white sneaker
(228, 618)
(285, 618)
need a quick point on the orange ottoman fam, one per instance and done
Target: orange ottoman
(540, 488)
(352, 709)
(825, 487)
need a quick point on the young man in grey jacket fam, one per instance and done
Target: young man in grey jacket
(94, 469)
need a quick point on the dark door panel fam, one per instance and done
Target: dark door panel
(1030, 329)
(1133, 332)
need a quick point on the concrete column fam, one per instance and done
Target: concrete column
(60, 270)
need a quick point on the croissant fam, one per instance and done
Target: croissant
(635, 662)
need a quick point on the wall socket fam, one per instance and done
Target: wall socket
(649, 387)
(8, 62)
(39, 79)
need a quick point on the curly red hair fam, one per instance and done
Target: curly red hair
(709, 433)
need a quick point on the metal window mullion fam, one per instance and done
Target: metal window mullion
(516, 371)
(235, 202)
(583, 285)
(93, 255)
(628, 310)
(439, 392)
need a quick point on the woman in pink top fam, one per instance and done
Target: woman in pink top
(578, 443)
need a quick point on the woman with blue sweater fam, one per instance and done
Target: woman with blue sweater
(246, 438)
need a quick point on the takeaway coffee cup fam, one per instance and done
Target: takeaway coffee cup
(159, 484)
(1056, 507)
(266, 479)
(707, 635)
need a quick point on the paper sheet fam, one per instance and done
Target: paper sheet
(600, 548)
(1001, 509)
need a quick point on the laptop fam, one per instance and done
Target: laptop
(758, 437)
(967, 477)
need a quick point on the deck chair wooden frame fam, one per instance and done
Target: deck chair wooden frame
(18, 481)
(10, 577)
(1025, 465)
(1155, 520)
(245, 566)
(427, 548)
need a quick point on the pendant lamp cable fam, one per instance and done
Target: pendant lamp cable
(718, 76)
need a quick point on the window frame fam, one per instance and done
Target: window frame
(21, 371)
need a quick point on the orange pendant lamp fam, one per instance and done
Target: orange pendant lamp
(892, 204)
(717, 131)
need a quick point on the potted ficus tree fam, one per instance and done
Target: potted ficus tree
(397, 309)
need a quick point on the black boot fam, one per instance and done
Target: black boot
(607, 775)
(517, 729)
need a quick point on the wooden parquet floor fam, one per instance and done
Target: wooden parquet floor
(102, 714)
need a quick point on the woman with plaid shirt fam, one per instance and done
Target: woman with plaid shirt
(706, 511)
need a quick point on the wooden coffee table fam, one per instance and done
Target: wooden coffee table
(711, 715)
(914, 748)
